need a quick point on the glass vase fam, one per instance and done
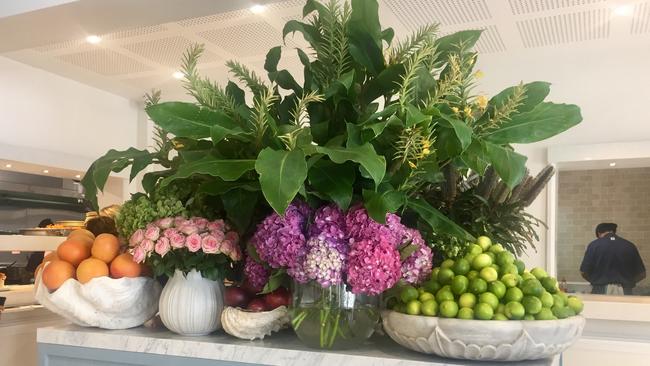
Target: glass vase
(332, 317)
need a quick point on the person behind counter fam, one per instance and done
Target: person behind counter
(37, 257)
(612, 264)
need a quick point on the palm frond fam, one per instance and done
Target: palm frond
(260, 116)
(332, 47)
(408, 84)
(422, 37)
(248, 77)
(299, 116)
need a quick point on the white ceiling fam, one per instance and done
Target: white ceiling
(131, 61)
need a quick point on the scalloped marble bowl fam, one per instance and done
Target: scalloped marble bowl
(482, 340)
(254, 325)
(103, 302)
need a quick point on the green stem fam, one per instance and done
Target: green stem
(335, 330)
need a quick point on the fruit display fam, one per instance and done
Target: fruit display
(487, 283)
(246, 299)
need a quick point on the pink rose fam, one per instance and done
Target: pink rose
(236, 253)
(179, 221)
(165, 223)
(232, 236)
(152, 232)
(227, 247)
(138, 254)
(219, 235)
(189, 229)
(136, 238)
(147, 245)
(210, 244)
(193, 243)
(216, 225)
(200, 222)
(168, 233)
(177, 240)
(162, 246)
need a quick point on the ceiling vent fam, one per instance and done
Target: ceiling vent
(519, 7)
(641, 19)
(136, 32)
(105, 62)
(415, 13)
(564, 28)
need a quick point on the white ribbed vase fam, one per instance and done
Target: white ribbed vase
(191, 305)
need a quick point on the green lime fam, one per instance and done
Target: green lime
(448, 309)
(470, 258)
(529, 317)
(444, 294)
(544, 314)
(562, 312)
(431, 286)
(505, 257)
(472, 275)
(515, 310)
(421, 290)
(461, 266)
(496, 248)
(496, 267)
(564, 296)
(392, 303)
(467, 300)
(510, 280)
(501, 309)
(413, 307)
(527, 276)
(547, 299)
(481, 261)
(401, 308)
(445, 276)
(497, 288)
(491, 255)
(465, 313)
(474, 249)
(484, 242)
(477, 286)
(558, 300)
(490, 299)
(429, 307)
(426, 296)
(408, 293)
(532, 304)
(434, 273)
(447, 263)
(459, 284)
(499, 316)
(483, 311)
(550, 284)
(513, 294)
(539, 273)
(532, 287)
(575, 304)
(521, 266)
(508, 268)
(489, 274)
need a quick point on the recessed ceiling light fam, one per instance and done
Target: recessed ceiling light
(93, 39)
(78, 176)
(7, 165)
(178, 75)
(587, 158)
(624, 10)
(612, 164)
(257, 8)
(45, 171)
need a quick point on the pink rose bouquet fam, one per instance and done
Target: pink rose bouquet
(172, 243)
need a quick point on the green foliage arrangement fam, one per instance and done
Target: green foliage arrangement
(391, 124)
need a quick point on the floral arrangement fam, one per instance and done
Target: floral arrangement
(331, 247)
(174, 243)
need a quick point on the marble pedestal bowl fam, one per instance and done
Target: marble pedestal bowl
(103, 302)
(491, 340)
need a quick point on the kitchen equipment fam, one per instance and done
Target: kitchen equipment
(45, 231)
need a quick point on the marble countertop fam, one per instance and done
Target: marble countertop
(279, 349)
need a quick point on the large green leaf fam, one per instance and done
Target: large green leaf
(544, 121)
(364, 154)
(282, 173)
(447, 44)
(510, 166)
(239, 204)
(475, 157)
(226, 129)
(386, 83)
(219, 186)
(334, 180)
(535, 93)
(365, 35)
(272, 59)
(90, 189)
(139, 163)
(307, 30)
(228, 169)
(438, 222)
(150, 179)
(453, 138)
(187, 119)
(116, 161)
(461, 130)
(378, 204)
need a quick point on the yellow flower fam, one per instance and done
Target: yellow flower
(426, 151)
(413, 166)
(455, 109)
(478, 74)
(467, 111)
(482, 101)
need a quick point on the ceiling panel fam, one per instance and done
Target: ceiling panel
(167, 51)
(565, 28)
(415, 13)
(245, 40)
(641, 18)
(105, 62)
(536, 6)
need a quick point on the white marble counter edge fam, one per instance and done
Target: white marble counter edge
(185, 347)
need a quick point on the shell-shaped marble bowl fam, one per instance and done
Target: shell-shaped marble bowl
(254, 325)
(103, 302)
(492, 340)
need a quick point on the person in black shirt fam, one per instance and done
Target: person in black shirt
(611, 260)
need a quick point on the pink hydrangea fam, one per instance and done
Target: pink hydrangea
(323, 262)
(139, 254)
(373, 267)
(256, 274)
(360, 227)
(209, 244)
(152, 232)
(162, 246)
(136, 238)
(193, 243)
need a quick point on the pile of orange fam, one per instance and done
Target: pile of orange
(84, 257)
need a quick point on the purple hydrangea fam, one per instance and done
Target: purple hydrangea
(361, 227)
(324, 263)
(256, 274)
(417, 267)
(329, 223)
(373, 267)
(280, 241)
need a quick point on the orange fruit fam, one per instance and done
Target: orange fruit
(57, 272)
(91, 268)
(82, 235)
(124, 266)
(73, 251)
(106, 247)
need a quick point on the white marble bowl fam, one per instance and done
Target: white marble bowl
(254, 325)
(491, 340)
(103, 302)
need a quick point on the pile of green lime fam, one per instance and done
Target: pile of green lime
(487, 283)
